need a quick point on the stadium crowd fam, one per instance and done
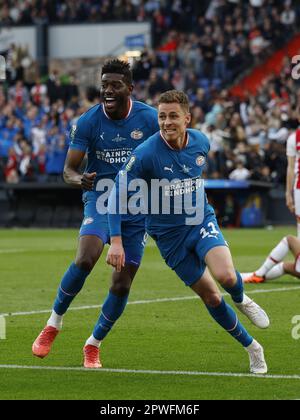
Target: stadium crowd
(247, 137)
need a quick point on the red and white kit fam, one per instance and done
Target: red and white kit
(293, 150)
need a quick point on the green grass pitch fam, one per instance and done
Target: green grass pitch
(170, 335)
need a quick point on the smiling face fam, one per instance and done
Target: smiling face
(115, 94)
(173, 121)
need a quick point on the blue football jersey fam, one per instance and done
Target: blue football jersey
(156, 161)
(108, 142)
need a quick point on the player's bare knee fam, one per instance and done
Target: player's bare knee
(292, 241)
(121, 284)
(227, 278)
(87, 258)
(120, 289)
(86, 262)
(213, 300)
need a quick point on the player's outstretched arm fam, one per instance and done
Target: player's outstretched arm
(116, 254)
(72, 175)
(118, 205)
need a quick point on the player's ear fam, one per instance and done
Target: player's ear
(130, 88)
(188, 119)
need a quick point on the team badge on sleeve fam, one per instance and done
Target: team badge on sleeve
(200, 160)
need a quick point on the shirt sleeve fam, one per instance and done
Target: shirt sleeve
(291, 146)
(80, 135)
(206, 144)
(118, 199)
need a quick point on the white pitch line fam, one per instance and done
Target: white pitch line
(23, 251)
(12, 251)
(65, 249)
(152, 372)
(161, 300)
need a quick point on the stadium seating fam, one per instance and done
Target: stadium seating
(35, 130)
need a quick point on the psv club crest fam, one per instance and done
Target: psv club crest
(137, 135)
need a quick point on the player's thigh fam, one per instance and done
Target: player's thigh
(294, 245)
(219, 261)
(190, 269)
(290, 268)
(93, 234)
(207, 289)
(212, 248)
(90, 248)
(134, 239)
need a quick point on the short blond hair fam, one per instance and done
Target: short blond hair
(177, 97)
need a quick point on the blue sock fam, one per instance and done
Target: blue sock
(237, 292)
(70, 286)
(227, 318)
(112, 309)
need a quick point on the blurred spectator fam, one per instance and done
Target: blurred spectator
(252, 214)
(11, 168)
(27, 168)
(19, 94)
(240, 173)
(38, 92)
(55, 158)
(228, 218)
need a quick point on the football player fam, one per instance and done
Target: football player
(108, 133)
(293, 174)
(274, 267)
(196, 249)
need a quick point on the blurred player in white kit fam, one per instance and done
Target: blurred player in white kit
(293, 174)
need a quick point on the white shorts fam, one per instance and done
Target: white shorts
(297, 201)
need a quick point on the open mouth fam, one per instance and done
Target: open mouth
(169, 132)
(110, 102)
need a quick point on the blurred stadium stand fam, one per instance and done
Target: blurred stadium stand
(232, 57)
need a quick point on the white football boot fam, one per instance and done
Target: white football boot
(258, 364)
(254, 312)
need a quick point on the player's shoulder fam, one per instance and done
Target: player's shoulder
(149, 147)
(197, 136)
(90, 115)
(85, 125)
(140, 107)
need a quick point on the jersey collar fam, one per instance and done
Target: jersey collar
(129, 111)
(172, 148)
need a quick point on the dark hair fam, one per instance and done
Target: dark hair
(118, 67)
(175, 96)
